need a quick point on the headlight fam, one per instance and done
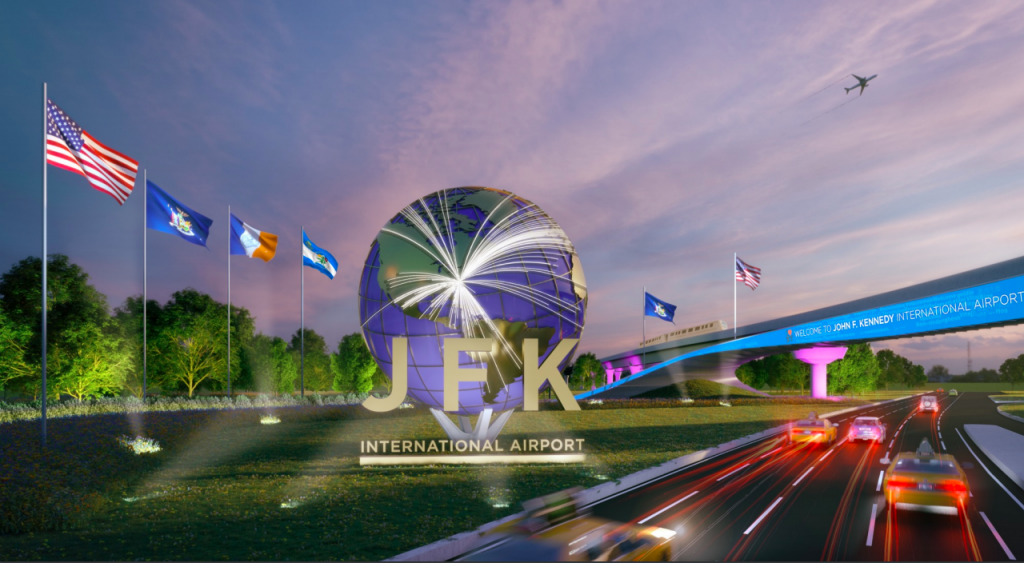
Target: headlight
(662, 533)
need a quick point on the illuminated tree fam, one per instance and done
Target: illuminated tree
(318, 374)
(354, 366)
(587, 371)
(856, 372)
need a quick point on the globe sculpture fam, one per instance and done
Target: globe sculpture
(470, 262)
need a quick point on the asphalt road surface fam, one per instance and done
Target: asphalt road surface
(772, 501)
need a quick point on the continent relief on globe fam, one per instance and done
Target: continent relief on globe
(466, 214)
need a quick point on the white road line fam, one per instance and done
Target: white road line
(771, 452)
(943, 445)
(668, 507)
(1002, 544)
(891, 442)
(733, 471)
(871, 525)
(802, 476)
(761, 517)
(940, 435)
(879, 486)
(998, 482)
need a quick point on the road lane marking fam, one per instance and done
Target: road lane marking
(943, 445)
(668, 507)
(771, 452)
(891, 442)
(802, 476)
(998, 482)
(1002, 544)
(761, 517)
(879, 486)
(733, 471)
(871, 525)
(940, 435)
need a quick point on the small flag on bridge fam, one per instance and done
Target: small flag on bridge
(748, 274)
(654, 307)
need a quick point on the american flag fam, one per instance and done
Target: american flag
(747, 274)
(74, 150)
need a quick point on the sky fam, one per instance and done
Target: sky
(662, 136)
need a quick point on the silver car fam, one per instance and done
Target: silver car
(867, 428)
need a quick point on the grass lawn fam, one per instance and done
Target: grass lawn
(1014, 409)
(226, 487)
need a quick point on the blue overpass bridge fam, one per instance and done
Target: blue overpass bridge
(990, 296)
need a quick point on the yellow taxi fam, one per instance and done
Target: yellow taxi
(813, 429)
(926, 481)
(553, 530)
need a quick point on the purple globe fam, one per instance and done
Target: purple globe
(471, 263)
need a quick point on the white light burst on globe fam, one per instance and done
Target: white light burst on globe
(515, 244)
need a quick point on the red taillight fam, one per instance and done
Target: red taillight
(818, 431)
(951, 486)
(901, 483)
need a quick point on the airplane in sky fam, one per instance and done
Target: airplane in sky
(863, 84)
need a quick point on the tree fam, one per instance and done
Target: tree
(1012, 371)
(89, 362)
(190, 347)
(856, 372)
(790, 373)
(190, 355)
(128, 324)
(354, 366)
(890, 368)
(938, 373)
(587, 371)
(916, 376)
(14, 364)
(318, 375)
(82, 348)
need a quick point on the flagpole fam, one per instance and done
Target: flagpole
(734, 296)
(643, 313)
(145, 279)
(45, 297)
(229, 301)
(302, 321)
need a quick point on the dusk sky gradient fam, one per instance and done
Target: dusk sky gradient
(662, 137)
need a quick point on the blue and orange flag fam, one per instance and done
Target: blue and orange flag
(254, 243)
(654, 307)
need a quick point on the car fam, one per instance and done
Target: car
(867, 428)
(926, 481)
(812, 429)
(952, 392)
(929, 403)
(939, 390)
(554, 530)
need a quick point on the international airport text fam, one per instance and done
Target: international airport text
(1003, 300)
(460, 446)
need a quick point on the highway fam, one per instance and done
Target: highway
(775, 501)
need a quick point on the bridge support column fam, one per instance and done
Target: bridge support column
(820, 357)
